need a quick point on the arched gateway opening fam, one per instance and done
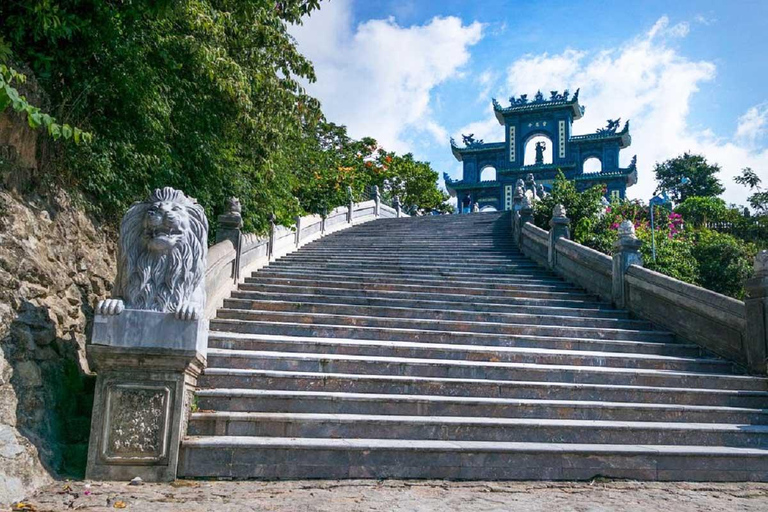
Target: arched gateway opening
(538, 150)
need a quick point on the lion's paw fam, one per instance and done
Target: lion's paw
(188, 312)
(110, 307)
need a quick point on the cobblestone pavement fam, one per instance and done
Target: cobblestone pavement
(352, 495)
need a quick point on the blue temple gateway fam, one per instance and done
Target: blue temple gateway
(538, 142)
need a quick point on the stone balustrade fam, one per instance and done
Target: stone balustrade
(734, 329)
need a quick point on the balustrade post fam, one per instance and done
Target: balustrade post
(756, 302)
(324, 216)
(351, 204)
(230, 226)
(298, 230)
(271, 248)
(559, 227)
(396, 204)
(524, 214)
(376, 196)
(626, 252)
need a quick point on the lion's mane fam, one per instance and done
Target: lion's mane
(162, 281)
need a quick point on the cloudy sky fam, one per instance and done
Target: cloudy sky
(690, 75)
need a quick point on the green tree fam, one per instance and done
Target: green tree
(697, 211)
(200, 95)
(759, 198)
(413, 181)
(701, 179)
(582, 207)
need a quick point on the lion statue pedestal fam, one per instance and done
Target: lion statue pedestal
(149, 341)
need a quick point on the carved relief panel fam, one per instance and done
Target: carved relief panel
(136, 423)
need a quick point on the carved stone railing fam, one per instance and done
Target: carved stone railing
(226, 264)
(734, 329)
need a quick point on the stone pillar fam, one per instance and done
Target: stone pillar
(756, 302)
(323, 216)
(351, 204)
(147, 364)
(396, 204)
(230, 225)
(525, 214)
(298, 230)
(559, 227)
(376, 196)
(517, 201)
(148, 345)
(626, 252)
(271, 248)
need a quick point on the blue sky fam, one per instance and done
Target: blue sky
(689, 75)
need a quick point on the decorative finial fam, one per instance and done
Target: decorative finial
(761, 264)
(527, 203)
(233, 206)
(558, 211)
(627, 229)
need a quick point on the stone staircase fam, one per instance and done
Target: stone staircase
(430, 347)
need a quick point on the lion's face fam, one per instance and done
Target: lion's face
(162, 253)
(165, 225)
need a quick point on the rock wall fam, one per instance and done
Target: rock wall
(55, 263)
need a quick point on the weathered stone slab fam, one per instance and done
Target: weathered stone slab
(150, 329)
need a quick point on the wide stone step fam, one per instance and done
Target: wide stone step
(324, 402)
(425, 256)
(374, 261)
(490, 388)
(330, 277)
(246, 291)
(447, 325)
(457, 428)
(421, 367)
(437, 272)
(537, 355)
(303, 458)
(243, 340)
(339, 307)
(414, 335)
(437, 305)
(254, 283)
(503, 270)
(390, 276)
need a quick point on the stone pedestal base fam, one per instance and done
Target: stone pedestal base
(142, 401)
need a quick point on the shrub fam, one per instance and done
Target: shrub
(697, 211)
(724, 262)
(581, 207)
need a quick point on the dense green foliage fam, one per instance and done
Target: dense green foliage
(698, 173)
(201, 95)
(697, 211)
(327, 162)
(724, 261)
(686, 248)
(582, 207)
(11, 97)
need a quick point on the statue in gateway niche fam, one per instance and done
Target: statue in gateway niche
(161, 257)
(540, 147)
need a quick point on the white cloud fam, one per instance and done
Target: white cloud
(377, 78)
(648, 81)
(753, 125)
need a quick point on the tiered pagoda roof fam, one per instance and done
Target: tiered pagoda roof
(539, 103)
